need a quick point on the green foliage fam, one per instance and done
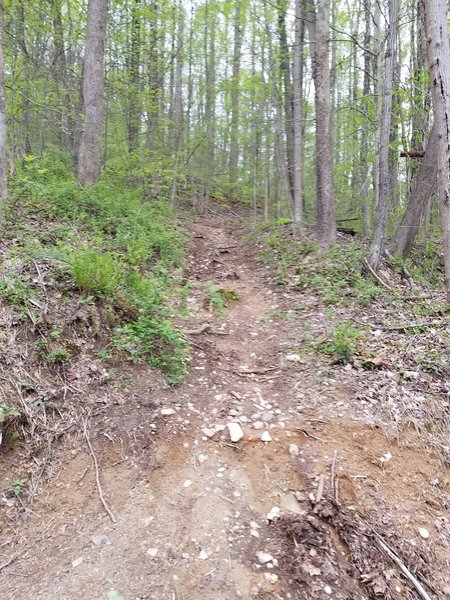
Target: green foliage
(335, 275)
(108, 242)
(219, 298)
(60, 355)
(17, 487)
(7, 411)
(96, 272)
(343, 343)
(157, 341)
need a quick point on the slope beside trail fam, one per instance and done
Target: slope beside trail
(196, 515)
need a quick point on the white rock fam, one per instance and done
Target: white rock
(294, 450)
(208, 432)
(327, 590)
(264, 557)
(293, 358)
(77, 562)
(187, 483)
(386, 457)
(258, 425)
(424, 533)
(201, 458)
(166, 412)
(101, 540)
(272, 577)
(236, 432)
(203, 555)
(274, 513)
(266, 437)
(152, 552)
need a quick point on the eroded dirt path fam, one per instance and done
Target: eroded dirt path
(191, 507)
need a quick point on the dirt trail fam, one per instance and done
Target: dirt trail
(191, 507)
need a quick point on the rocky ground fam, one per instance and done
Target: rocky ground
(268, 474)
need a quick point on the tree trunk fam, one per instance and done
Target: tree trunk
(297, 112)
(3, 119)
(134, 108)
(439, 64)
(235, 79)
(288, 91)
(89, 152)
(418, 200)
(319, 37)
(364, 172)
(384, 186)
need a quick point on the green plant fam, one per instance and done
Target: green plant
(95, 272)
(59, 355)
(154, 339)
(103, 353)
(7, 411)
(17, 487)
(217, 297)
(342, 344)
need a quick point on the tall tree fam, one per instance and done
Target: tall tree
(436, 19)
(318, 19)
(384, 186)
(297, 112)
(89, 153)
(235, 79)
(3, 117)
(134, 108)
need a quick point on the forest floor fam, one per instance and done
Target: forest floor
(299, 507)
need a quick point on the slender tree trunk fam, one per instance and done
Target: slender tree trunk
(319, 37)
(436, 20)
(424, 183)
(154, 82)
(297, 112)
(177, 102)
(3, 119)
(235, 80)
(134, 108)
(384, 186)
(89, 153)
(288, 92)
(364, 172)
(65, 103)
(25, 88)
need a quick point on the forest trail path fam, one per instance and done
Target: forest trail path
(190, 506)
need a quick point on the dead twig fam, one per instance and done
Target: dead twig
(377, 277)
(334, 481)
(404, 569)
(310, 435)
(97, 474)
(320, 489)
(203, 328)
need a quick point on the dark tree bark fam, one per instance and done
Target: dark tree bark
(436, 20)
(319, 36)
(89, 152)
(424, 183)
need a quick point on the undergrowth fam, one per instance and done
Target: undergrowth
(335, 275)
(104, 243)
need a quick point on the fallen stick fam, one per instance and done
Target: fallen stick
(404, 569)
(377, 277)
(97, 475)
(203, 328)
(334, 483)
(320, 489)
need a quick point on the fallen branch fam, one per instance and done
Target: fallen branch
(377, 277)
(334, 482)
(404, 569)
(320, 489)
(97, 475)
(203, 328)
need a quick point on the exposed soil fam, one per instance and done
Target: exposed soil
(191, 508)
